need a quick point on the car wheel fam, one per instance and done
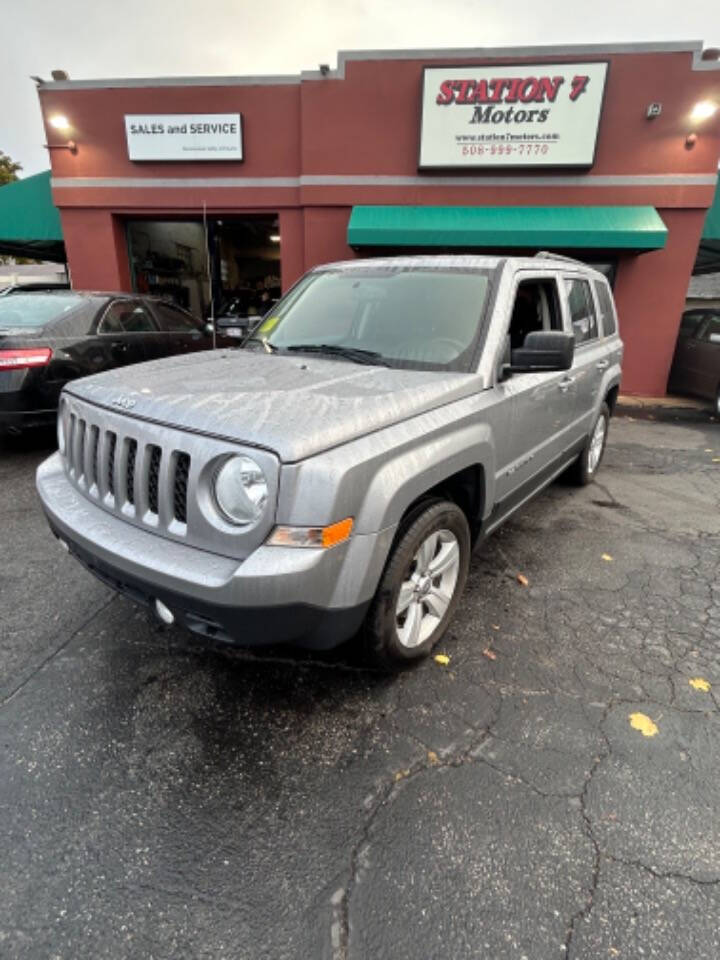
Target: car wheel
(420, 586)
(586, 466)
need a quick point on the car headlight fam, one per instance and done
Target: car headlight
(241, 490)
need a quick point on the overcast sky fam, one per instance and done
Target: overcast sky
(145, 38)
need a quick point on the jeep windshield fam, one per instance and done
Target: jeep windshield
(416, 318)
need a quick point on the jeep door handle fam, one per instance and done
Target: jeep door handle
(565, 384)
(602, 364)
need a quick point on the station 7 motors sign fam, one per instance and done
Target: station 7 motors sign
(526, 115)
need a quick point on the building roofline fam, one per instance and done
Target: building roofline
(544, 51)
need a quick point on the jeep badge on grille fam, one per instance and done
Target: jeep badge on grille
(127, 403)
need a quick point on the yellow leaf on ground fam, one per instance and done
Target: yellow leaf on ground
(708, 449)
(716, 459)
(432, 756)
(522, 580)
(401, 774)
(490, 654)
(699, 683)
(442, 658)
(643, 723)
(495, 626)
(607, 558)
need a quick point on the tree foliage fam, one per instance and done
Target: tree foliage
(8, 169)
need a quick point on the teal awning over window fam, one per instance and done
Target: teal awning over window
(30, 221)
(623, 228)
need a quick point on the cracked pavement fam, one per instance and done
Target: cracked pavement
(162, 799)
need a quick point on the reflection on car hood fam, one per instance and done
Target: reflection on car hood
(295, 405)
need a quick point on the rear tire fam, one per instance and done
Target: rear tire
(420, 587)
(586, 466)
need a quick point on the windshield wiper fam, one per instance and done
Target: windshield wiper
(356, 354)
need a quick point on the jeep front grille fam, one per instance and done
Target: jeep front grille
(102, 462)
(157, 477)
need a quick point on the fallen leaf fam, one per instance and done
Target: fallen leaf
(708, 449)
(522, 580)
(643, 723)
(495, 626)
(432, 756)
(401, 774)
(490, 654)
(442, 659)
(607, 558)
(699, 683)
(716, 459)
(613, 952)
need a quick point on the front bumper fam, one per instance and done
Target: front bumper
(315, 598)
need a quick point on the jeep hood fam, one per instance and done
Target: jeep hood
(296, 406)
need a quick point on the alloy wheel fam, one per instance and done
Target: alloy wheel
(428, 588)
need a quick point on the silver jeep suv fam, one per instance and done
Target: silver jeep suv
(332, 476)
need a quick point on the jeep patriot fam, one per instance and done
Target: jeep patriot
(331, 477)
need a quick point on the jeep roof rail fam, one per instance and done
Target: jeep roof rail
(558, 256)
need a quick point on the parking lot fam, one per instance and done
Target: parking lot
(550, 792)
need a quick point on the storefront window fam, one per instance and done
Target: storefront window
(218, 267)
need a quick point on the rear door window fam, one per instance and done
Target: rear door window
(126, 316)
(172, 319)
(605, 306)
(582, 310)
(690, 323)
(711, 330)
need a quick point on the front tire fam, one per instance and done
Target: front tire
(586, 466)
(420, 587)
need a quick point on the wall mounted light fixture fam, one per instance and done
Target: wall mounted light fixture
(61, 123)
(703, 110)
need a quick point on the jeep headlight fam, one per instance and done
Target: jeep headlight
(241, 490)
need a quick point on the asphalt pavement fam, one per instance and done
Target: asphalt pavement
(551, 792)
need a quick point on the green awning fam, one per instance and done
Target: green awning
(30, 221)
(711, 231)
(622, 228)
(708, 257)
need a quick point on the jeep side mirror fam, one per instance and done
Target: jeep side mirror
(543, 351)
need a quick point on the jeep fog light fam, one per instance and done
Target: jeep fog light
(241, 490)
(312, 536)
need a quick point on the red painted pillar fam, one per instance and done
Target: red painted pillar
(650, 295)
(326, 235)
(292, 246)
(96, 248)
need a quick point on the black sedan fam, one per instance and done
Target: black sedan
(47, 339)
(696, 364)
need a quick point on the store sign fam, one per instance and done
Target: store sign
(526, 115)
(184, 136)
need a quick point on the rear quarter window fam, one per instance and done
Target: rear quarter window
(31, 311)
(606, 308)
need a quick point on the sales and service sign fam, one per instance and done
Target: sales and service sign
(526, 115)
(184, 136)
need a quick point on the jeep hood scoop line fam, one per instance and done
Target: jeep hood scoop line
(296, 406)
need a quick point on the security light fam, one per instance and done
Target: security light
(60, 122)
(703, 110)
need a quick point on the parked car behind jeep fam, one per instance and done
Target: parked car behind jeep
(48, 338)
(696, 364)
(332, 477)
